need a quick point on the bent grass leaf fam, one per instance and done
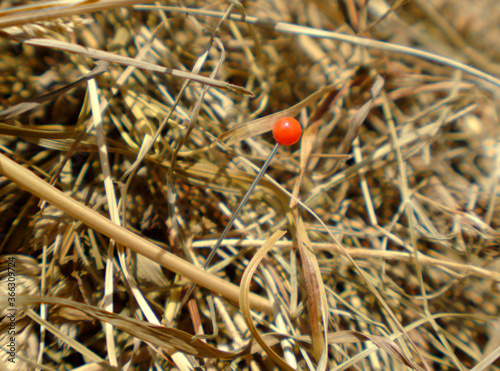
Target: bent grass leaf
(316, 296)
(265, 124)
(172, 340)
(246, 280)
(116, 58)
(345, 337)
(384, 343)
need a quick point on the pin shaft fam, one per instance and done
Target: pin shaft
(233, 218)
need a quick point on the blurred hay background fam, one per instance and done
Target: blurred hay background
(390, 261)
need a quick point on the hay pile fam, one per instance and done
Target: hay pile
(370, 244)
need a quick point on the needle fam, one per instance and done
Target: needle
(286, 131)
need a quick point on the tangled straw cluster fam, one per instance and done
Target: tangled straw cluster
(389, 200)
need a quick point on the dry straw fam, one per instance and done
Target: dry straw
(130, 131)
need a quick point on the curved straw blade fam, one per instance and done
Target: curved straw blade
(116, 58)
(265, 124)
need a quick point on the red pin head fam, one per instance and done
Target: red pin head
(287, 131)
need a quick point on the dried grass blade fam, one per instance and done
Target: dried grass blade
(44, 11)
(381, 152)
(357, 120)
(316, 296)
(309, 137)
(20, 131)
(116, 58)
(82, 349)
(295, 29)
(24, 107)
(265, 124)
(487, 361)
(347, 337)
(246, 280)
(113, 207)
(171, 339)
(212, 176)
(388, 345)
(113, 212)
(194, 115)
